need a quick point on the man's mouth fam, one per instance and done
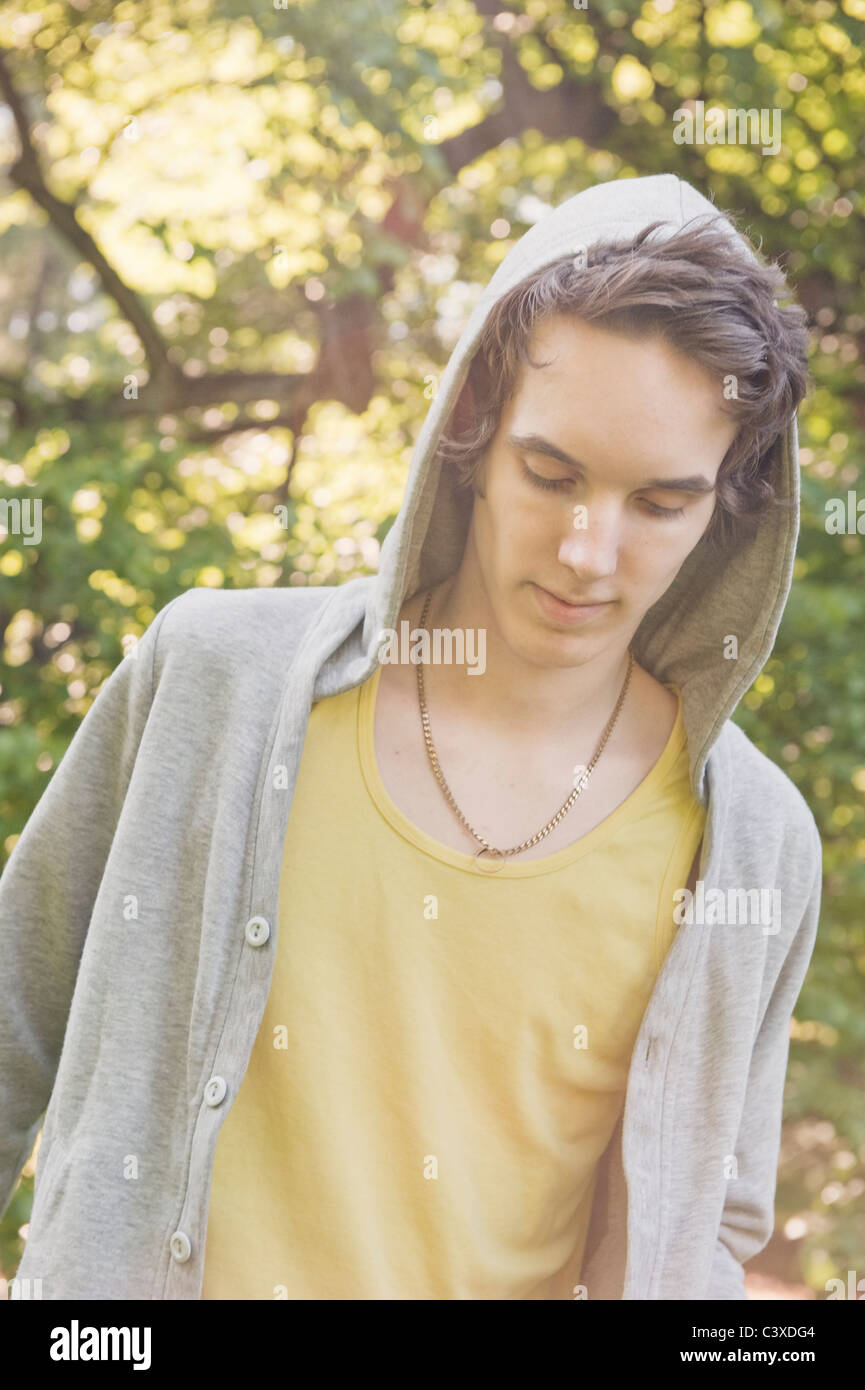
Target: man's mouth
(570, 609)
(579, 602)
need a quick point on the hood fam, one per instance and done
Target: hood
(738, 591)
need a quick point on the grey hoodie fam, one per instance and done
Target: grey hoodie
(139, 908)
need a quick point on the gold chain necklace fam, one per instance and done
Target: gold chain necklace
(491, 865)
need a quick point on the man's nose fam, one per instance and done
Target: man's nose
(590, 547)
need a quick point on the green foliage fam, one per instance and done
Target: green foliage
(236, 247)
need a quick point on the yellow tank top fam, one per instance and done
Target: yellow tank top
(443, 1055)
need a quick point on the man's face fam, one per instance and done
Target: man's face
(608, 534)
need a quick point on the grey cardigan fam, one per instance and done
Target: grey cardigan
(139, 909)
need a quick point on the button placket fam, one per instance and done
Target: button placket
(256, 933)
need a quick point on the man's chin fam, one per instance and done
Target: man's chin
(557, 651)
(551, 639)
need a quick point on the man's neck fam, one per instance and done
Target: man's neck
(513, 694)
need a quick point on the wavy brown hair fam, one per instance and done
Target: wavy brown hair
(698, 291)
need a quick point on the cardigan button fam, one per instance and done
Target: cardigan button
(180, 1247)
(214, 1091)
(257, 931)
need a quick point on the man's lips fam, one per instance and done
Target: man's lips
(577, 602)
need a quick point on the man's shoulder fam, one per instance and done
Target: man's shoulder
(243, 626)
(758, 790)
(258, 613)
(218, 646)
(213, 656)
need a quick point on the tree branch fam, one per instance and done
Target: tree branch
(27, 173)
(573, 108)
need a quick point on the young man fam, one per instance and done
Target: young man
(346, 976)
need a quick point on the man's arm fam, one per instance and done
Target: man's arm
(47, 892)
(749, 1212)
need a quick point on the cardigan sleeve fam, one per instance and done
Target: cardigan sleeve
(47, 892)
(748, 1217)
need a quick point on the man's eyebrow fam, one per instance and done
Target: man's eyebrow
(536, 444)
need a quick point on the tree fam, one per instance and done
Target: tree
(237, 248)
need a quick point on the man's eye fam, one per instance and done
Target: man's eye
(559, 484)
(537, 480)
(666, 512)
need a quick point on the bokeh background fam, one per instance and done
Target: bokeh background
(237, 245)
